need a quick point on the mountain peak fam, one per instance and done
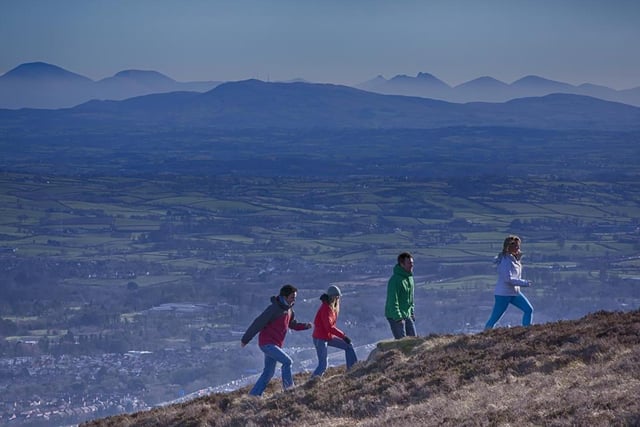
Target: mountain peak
(422, 79)
(483, 82)
(533, 81)
(142, 75)
(426, 76)
(378, 78)
(42, 70)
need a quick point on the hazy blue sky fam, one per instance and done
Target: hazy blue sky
(338, 41)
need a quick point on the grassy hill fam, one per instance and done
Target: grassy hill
(253, 104)
(581, 372)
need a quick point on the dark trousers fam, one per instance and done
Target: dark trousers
(403, 327)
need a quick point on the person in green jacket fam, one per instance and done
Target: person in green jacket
(399, 308)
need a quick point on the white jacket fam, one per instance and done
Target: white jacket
(509, 276)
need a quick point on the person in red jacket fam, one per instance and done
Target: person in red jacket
(325, 332)
(273, 324)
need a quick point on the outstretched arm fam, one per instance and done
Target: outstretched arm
(256, 326)
(297, 326)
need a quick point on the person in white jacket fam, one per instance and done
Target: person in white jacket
(509, 282)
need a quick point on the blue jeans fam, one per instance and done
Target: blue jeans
(403, 327)
(321, 350)
(501, 304)
(273, 354)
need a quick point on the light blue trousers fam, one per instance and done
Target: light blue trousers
(272, 355)
(501, 304)
(321, 350)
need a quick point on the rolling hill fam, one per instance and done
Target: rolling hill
(488, 89)
(580, 372)
(42, 85)
(254, 104)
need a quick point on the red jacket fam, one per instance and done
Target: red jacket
(325, 323)
(273, 323)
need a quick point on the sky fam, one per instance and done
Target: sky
(332, 41)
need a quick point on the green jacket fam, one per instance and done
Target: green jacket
(399, 303)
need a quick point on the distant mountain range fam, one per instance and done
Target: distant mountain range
(254, 104)
(488, 89)
(42, 85)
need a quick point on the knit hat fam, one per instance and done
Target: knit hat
(334, 291)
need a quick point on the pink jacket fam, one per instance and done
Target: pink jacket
(325, 323)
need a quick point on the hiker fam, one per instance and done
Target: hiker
(272, 325)
(325, 332)
(507, 290)
(399, 308)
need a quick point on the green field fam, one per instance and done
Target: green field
(356, 223)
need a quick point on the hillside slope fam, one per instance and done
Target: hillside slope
(582, 372)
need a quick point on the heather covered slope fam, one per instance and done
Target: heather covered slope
(582, 372)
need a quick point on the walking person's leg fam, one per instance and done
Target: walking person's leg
(523, 304)
(410, 326)
(397, 328)
(349, 352)
(279, 355)
(499, 307)
(267, 373)
(321, 351)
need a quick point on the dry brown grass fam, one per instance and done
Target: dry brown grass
(570, 373)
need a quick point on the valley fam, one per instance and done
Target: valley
(161, 258)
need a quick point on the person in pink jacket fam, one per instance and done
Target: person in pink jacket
(326, 333)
